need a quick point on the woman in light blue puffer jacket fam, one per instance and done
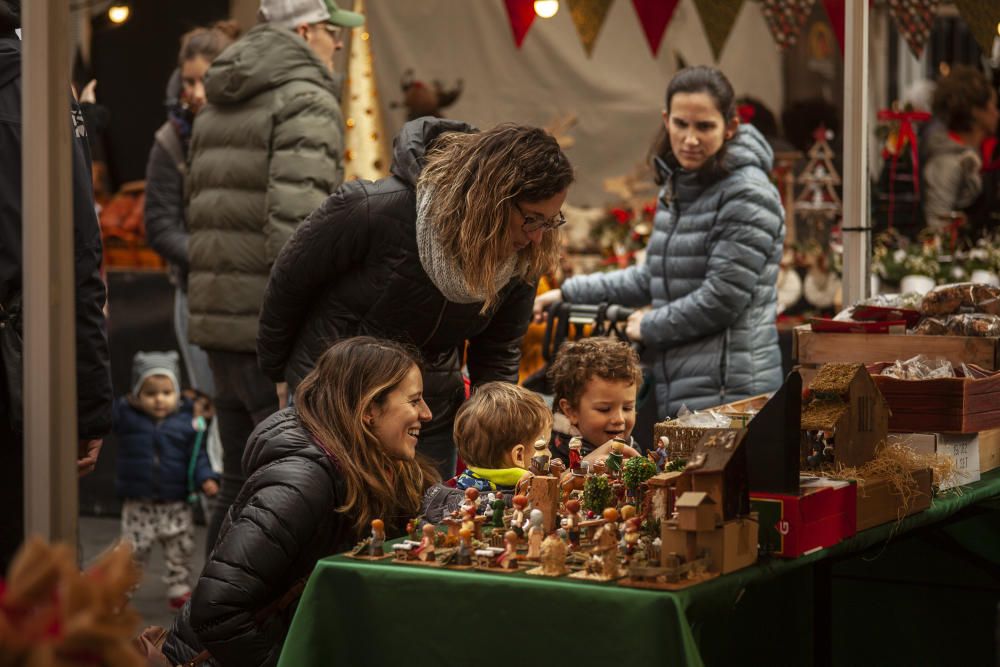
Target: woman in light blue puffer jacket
(712, 261)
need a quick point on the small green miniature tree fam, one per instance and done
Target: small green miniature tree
(637, 470)
(675, 465)
(597, 493)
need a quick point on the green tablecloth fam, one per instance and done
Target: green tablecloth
(381, 613)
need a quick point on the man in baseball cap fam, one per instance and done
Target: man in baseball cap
(291, 13)
(266, 152)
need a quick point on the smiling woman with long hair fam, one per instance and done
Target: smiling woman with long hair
(318, 474)
(443, 255)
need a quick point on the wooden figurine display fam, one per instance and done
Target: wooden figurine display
(708, 530)
(372, 547)
(463, 555)
(517, 517)
(499, 508)
(543, 493)
(540, 458)
(553, 558)
(572, 523)
(845, 419)
(536, 533)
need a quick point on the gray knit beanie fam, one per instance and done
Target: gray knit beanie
(145, 364)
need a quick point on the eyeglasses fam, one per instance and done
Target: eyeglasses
(532, 223)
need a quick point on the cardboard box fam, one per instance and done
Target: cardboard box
(822, 515)
(878, 502)
(963, 449)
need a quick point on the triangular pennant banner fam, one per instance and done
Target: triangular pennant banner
(982, 16)
(785, 19)
(521, 14)
(835, 13)
(718, 17)
(914, 19)
(588, 17)
(654, 16)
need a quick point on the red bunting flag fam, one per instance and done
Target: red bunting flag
(835, 13)
(654, 17)
(785, 19)
(914, 19)
(521, 14)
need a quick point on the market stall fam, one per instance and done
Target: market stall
(355, 612)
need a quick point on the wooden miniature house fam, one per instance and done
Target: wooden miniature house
(695, 511)
(664, 490)
(718, 467)
(850, 412)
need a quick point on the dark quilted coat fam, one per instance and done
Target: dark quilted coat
(352, 268)
(710, 274)
(266, 151)
(282, 522)
(153, 457)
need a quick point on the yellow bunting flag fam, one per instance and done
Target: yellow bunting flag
(982, 16)
(718, 17)
(588, 17)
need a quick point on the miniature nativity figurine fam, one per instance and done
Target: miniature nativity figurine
(517, 518)
(616, 458)
(499, 507)
(572, 522)
(508, 559)
(375, 549)
(536, 532)
(425, 551)
(463, 554)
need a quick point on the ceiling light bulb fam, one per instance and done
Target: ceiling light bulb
(546, 9)
(118, 13)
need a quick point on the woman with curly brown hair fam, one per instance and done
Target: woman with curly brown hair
(443, 254)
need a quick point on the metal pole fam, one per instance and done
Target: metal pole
(50, 438)
(857, 216)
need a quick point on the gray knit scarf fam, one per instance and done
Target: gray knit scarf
(442, 269)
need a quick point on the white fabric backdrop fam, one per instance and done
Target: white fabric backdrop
(617, 95)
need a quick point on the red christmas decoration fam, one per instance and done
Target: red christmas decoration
(654, 16)
(521, 14)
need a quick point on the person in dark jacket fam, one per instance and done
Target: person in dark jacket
(162, 463)
(94, 397)
(318, 474)
(443, 255)
(712, 261)
(163, 214)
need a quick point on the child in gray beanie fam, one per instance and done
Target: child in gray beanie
(162, 464)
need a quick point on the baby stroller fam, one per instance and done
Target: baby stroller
(573, 321)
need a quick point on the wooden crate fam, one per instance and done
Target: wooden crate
(811, 350)
(948, 405)
(879, 503)
(989, 450)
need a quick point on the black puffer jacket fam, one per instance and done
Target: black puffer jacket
(352, 268)
(282, 522)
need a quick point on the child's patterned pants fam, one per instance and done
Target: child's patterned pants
(170, 523)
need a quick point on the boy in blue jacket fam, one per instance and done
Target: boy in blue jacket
(162, 463)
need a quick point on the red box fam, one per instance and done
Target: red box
(822, 515)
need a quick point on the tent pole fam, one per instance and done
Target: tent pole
(857, 215)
